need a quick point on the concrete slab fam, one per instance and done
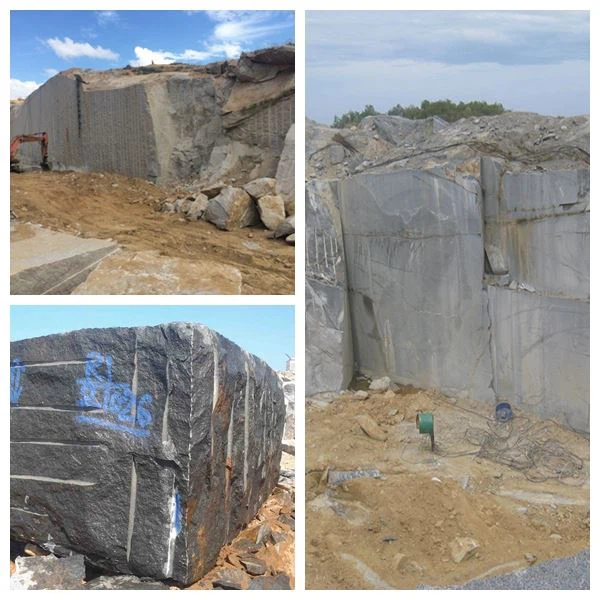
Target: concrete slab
(49, 262)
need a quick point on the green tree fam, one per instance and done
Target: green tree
(353, 117)
(447, 110)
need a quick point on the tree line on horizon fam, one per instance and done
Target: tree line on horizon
(445, 109)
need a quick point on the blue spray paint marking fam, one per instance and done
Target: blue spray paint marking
(124, 410)
(16, 387)
(177, 520)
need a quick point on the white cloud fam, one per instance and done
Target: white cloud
(69, 49)
(51, 72)
(241, 27)
(232, 30)
(145, 56)
(107, 17)
(22, 89)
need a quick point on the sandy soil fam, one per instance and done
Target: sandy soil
(397, 530)
(124, 209)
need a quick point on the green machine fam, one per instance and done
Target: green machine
(425, 425)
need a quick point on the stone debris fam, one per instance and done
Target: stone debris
(371, 428)
(361, 395)
(337, 477)
(124, 417)
(463, 548)
(48, 573)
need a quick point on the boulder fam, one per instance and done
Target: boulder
(263, 186)
(380, 385)
(291, 239)
(286, 228)
(198, 207)
(232, 209)
(285, 175)
(272, 211)
(145, 449)
(463, 548)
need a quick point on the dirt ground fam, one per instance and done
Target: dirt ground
(103, 205)
(397, 530)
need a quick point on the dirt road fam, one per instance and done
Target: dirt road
(103, 205)
(398, 530)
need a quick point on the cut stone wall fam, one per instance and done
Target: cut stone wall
(165, 123)
(414, 258)
(482, 292)
(146, 449)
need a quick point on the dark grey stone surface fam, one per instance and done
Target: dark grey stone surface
(146, 449)
(570, 573)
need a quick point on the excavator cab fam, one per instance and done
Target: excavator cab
(17, 140)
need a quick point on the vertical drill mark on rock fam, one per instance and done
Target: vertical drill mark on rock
(174, 528)
(229, 467)
(134, 381)
(132, 505)
(165, 418)
(246, 425)
(215, 375)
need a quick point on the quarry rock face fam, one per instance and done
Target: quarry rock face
(463, 272)
(329, 359)
(145, 449)
(225, 120)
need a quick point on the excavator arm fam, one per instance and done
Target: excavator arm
(17, 140)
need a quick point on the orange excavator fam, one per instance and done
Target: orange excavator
(17, 140)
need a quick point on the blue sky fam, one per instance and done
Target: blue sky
(267, 331)
(46, 42)
(528, 60)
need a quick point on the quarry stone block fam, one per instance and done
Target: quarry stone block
(146, 449)
(264, 186)
(329, 362)
(232, 209)
(414, 258)
(541, 354)
(271, 210)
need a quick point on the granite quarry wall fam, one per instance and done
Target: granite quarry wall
(225, 121)
(475, 286)
(146, 449)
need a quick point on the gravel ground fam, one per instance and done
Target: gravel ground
(571, 573)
